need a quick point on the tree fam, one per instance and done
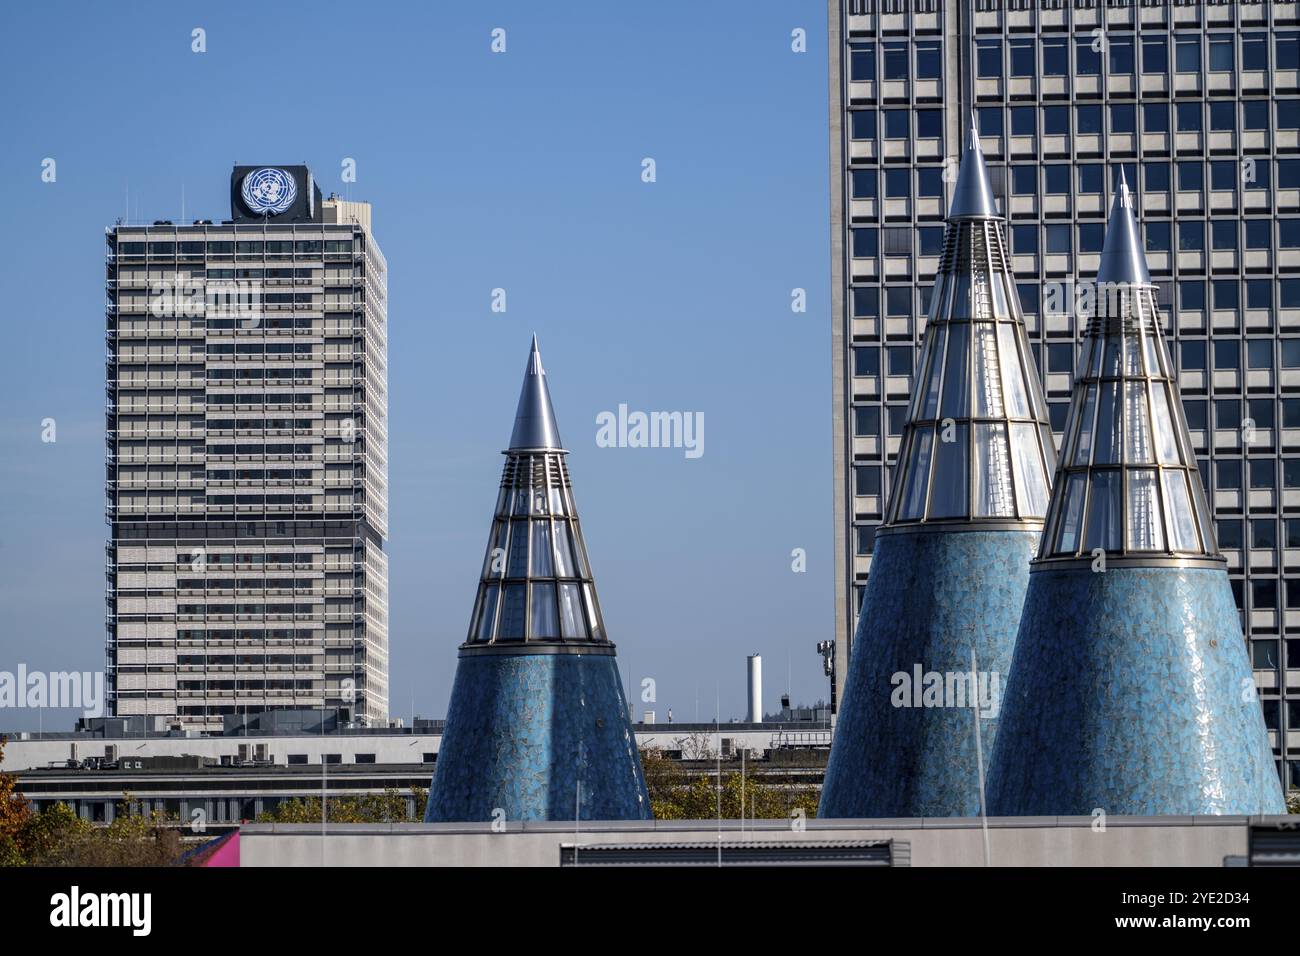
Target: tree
(677, 795)
(15, 811)
(386, 807)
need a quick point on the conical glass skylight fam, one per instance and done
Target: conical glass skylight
(536, 585)
(977, 446)
(1127, 481)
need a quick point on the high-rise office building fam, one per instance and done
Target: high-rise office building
(247, 466)
(1199, 104)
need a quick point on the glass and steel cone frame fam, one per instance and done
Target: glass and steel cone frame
(536, 586)
(1127, 483)
(977, 448)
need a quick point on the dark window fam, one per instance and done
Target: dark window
(1191, 175)
(1024, 240)
(866, 360)
(1221, 54)
(1056, 58)
(1022, 121)
(1187, 55)
(929, 60)
(1254, 114)
(1087, 60)
(1056, 121)
(988, 59)
(1024, 180)
(866, 421)
(1259, 355)
(1229, 534)
(862, 62)
(895, 61)
(1191, 236)
(1227, 355)
(1263, 475)
(1263, 533)
(1223, 175)
(1286, 47)
(929, 182)
(1155, 55)
(1088, 119)
(1058, 238)
(1254, 51)
(897, 184)
(930, 240)
(1191, 295)
(1121, 56)
(1156, 177)
(866, 302)
(1090, 236)
(990, 120)
(1123, 118)
(1223, 234)
(864, 184)
(929, 124)
(1022, 57)
(865, 243)
(1155, 117)
(1157, 236)
(900, 359)
(1259, 294)
(1224, 295)
(1223, 116)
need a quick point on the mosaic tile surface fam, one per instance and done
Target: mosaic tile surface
(1131, 691)
(524, 730)
(930, 599)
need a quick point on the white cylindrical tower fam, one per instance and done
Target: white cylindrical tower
(755, 689)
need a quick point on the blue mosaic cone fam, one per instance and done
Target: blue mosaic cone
(1130, 689)
(948, 575)
(538, 727)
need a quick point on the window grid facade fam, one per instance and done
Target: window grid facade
(246, 469)
(1199, 104)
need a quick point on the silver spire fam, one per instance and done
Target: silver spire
(535, 426)
(1122, 259)
(973, 197)
(1127, 482)
(536, 585)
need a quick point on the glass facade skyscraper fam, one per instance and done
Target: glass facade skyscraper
(1199, 105)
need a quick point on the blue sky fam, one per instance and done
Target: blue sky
(521, 171)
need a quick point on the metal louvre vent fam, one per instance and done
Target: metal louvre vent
(876, 853)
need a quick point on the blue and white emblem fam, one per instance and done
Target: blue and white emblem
(268, 191)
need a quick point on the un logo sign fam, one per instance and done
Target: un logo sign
(269, 191)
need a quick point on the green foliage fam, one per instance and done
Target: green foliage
(677, 795)
(386, 807)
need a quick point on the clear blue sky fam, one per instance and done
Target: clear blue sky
(519, 170)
